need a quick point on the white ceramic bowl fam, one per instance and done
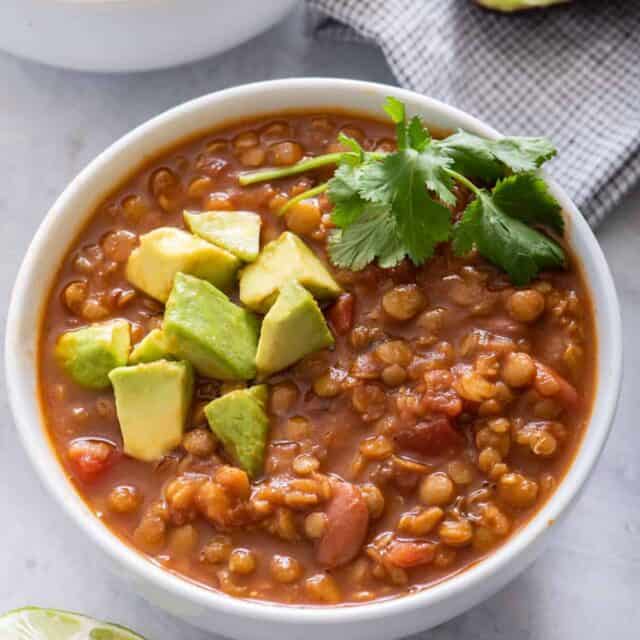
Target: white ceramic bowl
(210, 610)
(131, 35)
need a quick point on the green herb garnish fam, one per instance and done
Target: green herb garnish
(495, 222)
(489, 160)
(391, 205)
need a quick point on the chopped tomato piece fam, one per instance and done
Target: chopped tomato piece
(430, 437)
(90, 457)
(550, 383)
(410, 554)
(347, 523)
(448, 402)
(440, 396)
(341, 313)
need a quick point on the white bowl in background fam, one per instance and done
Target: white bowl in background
(381, 620)
(131, 35)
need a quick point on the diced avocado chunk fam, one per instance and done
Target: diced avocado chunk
(165, 251)
(152, 347)
(236, 231)
(203, 326)
(152, 403)
(282, 260)
(240, 421)
(293, 328)
(89, 353)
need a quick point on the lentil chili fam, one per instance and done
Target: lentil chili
(446, 414)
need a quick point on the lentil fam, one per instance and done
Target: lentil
(526, 306)
(403, 302)
(242, 561)
(437, 489)
(519, 370)
(322, 587)
(315, 524)
(124, 499)
(199, 442)
(455, 533)
(285, 569)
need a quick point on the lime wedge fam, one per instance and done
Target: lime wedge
(33, 623)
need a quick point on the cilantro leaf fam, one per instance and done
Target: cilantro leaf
(492, 159)
(419, 136)
(355, 147)
(373, 236)
(506, 241)
(348, 206)
(342, 189)
(522, 154)
(395, 110)
(400, 183)
(526, 196)
(381, 181)
(413, 135)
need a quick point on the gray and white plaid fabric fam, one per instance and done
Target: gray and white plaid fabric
(571, 73)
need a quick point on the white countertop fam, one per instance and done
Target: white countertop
(587, 585)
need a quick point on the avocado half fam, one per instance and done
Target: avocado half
(518, 5)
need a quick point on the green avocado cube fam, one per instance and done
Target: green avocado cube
(89, 353)
(239, 420)
(284, 259)
(236, 231)
(152, 347)
(293, 328)
(203, 326)
(152, 403)
(165, 251)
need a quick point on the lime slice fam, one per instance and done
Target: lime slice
(33, 623)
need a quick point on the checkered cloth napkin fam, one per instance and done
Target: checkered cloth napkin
(571, 73)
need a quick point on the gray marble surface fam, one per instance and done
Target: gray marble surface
(51, 124)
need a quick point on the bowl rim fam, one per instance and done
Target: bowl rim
(139, 566)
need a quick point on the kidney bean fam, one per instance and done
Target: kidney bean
(347, 523)
(341, 314)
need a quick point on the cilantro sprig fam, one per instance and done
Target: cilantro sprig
(387, 206)
(496, 223)
(398, 187)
